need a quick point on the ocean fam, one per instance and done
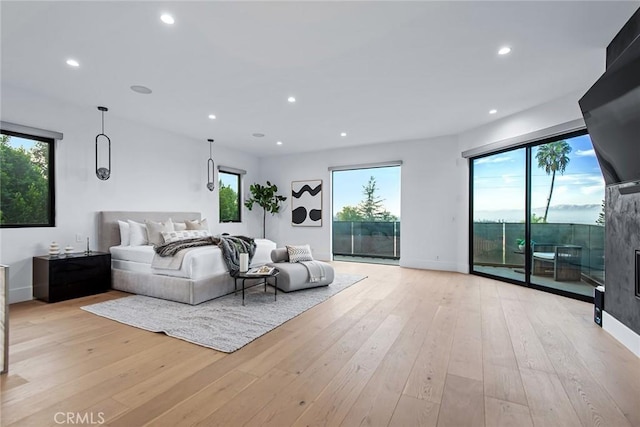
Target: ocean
(566, 214)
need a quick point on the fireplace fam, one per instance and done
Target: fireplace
(637, 274)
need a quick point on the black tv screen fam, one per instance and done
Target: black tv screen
(611, 110)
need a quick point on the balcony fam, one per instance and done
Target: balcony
(368, 240)
(496, 252)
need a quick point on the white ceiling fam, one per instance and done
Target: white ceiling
(380, 71)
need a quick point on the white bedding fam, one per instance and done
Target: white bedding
(199, 262)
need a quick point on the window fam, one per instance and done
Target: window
(26, 180)
(366, 214)
(229, 190)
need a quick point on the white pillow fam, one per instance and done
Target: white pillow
(197, 224)
(175, 236)
(137, 234)
(124, 233)
(178, 226)
(299, 253)
(155, 229)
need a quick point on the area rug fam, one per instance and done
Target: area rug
(222, 324)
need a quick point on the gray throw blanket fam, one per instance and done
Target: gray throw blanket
(316, 271)
(231, 247)
(169, 256)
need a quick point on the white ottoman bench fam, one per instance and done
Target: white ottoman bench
(295, 276)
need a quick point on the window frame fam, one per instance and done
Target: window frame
(51, 214)
(238, 176)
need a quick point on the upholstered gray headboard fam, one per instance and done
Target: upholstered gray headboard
(109, 231)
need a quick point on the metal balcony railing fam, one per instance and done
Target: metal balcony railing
(374, 239)
(495, 244)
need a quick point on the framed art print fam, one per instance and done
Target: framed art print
(306, 203)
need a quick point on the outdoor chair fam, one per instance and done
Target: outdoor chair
(563, 262)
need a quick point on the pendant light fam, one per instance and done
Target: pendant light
(210, 168)
(101, 172)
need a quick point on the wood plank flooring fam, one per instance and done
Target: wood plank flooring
(403, 347)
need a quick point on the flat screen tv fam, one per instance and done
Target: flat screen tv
(611, 110)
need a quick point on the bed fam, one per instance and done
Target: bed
(202, 276)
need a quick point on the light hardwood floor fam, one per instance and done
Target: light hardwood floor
(402, 348)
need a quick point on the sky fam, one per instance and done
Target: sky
(348, 185)
(229, 180)
(16, 142)
(499, 180)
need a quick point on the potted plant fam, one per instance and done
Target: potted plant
(522, 243)
(265, 196)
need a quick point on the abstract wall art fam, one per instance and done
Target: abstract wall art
(306, 203)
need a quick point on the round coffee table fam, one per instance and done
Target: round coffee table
(244, 276)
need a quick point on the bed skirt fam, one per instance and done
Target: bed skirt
(178, 289)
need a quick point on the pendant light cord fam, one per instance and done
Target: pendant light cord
(102, 122)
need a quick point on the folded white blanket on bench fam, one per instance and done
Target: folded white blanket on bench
(316, 271)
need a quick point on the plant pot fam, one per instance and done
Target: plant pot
(521, 248)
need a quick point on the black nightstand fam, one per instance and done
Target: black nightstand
(63, 277)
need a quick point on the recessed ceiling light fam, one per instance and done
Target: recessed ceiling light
(141, 89)
(493, 111)
(212, 116)
(73, 62)
(258, 135)
(279, 142)
(167, 19)
(504, 50)
(291, 99)
(343, 134)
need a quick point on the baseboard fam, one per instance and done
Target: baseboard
(20, 295)
(429, 265)
(322, 256)
(621, 332)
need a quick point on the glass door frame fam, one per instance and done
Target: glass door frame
(527, 220)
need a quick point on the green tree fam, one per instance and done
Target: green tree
(535, 219)
(229, 209)
(40, 156)
(553, 157)
(600, 220)
(386, 216)
(371, 207)
(24, 189)
(349, 213)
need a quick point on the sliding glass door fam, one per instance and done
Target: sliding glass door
(499, 190)
(537, 216)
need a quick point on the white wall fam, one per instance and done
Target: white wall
(151, 170)
(430, 200)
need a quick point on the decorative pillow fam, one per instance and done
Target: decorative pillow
(197, 225)
(299, 253)
(155, 229)
(280, 255)
(137, 234)
(124, 233)
(179, 225)
(174, 236)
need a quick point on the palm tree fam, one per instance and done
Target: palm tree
(553, 157)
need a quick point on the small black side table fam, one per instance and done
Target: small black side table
(245, 276)
(66, 276)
